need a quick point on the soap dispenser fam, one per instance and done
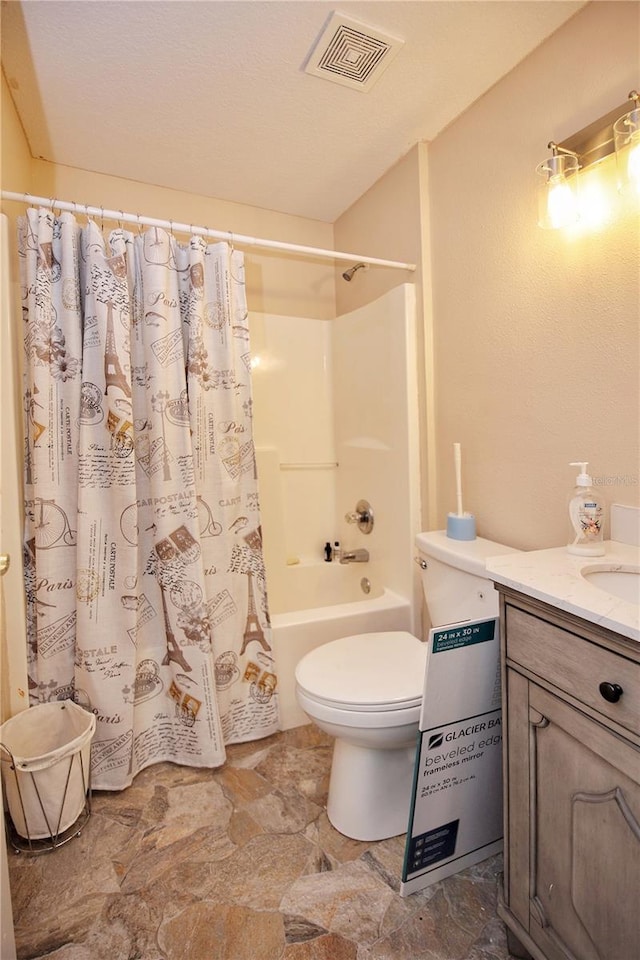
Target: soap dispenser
(586, 516)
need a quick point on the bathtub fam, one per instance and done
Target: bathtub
(313, 603)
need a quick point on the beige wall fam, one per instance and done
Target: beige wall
(16, 156)
(16, 166)
(385, 222)
(536, 331)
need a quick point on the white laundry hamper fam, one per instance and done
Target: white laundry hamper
(46, 761)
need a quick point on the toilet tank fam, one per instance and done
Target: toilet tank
(454, 577)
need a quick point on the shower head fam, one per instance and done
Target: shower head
(348, 274)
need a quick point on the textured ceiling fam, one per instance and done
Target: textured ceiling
(211, 97)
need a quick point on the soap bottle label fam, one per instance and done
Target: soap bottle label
(590, 515)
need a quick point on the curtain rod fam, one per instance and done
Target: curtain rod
(233, 238)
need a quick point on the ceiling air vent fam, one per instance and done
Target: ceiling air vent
(352, 53)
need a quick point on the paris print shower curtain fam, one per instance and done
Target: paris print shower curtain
(145, 578)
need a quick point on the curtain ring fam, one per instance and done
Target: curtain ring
(139, 225)
(231, 247)
(120, 221)
(53, 206)
(102, 219)
(171, 228)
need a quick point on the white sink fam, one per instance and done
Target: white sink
(620, 581)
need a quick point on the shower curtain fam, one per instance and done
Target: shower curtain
(145, 580)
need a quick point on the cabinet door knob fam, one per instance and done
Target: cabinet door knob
(611, 691)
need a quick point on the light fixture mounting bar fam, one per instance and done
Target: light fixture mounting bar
(595, 142)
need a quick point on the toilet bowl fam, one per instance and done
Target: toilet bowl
(366, 691)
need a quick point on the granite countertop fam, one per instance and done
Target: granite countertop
(553, 576)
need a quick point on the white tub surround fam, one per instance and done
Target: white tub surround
(555, 577)
(328, 436)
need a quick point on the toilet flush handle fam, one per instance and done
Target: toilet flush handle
(422, 563)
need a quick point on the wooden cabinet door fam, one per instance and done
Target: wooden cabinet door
(584, 797)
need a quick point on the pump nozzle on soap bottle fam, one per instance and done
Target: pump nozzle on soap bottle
(586, 516)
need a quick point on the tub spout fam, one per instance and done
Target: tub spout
(354, 556)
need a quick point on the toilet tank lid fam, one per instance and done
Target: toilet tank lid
(468, 555)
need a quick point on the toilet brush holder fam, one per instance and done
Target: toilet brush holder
(461, 526)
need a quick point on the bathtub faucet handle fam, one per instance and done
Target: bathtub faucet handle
(362, 516)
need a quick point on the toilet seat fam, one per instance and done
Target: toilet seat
(367, 673)
(365, 691)
(344, 717)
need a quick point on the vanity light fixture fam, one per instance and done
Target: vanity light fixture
(558, 189)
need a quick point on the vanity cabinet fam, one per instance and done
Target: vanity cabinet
(571, 717)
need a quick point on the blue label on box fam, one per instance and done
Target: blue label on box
(463, 636)
(432, 846)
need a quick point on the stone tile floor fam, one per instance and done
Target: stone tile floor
(241, 863)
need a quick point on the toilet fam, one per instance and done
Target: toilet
(366, 691)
